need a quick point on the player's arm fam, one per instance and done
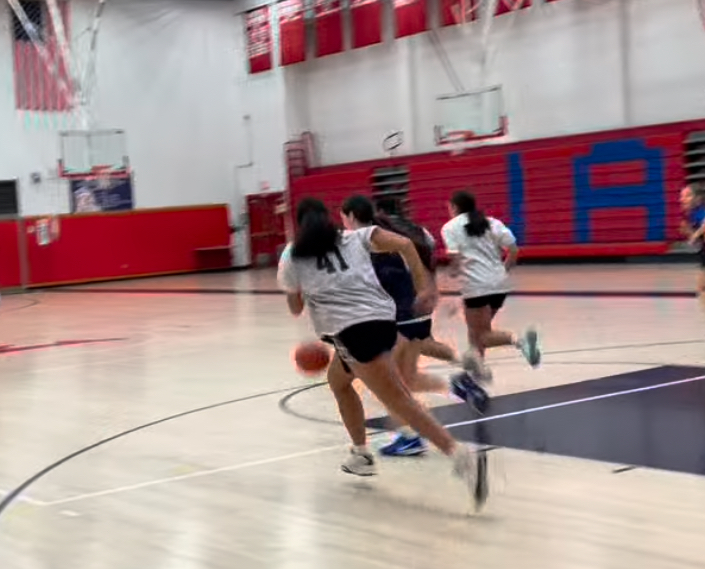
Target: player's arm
(697, 234)
(295, 302)
(685, 228)
(506, 240)
(288, 281)
(512, 254)
(452, 247)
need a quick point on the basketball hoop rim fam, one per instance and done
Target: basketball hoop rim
(466, 136)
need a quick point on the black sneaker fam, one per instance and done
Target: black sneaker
(469, 390)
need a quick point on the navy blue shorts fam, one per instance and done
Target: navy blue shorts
(494, 301)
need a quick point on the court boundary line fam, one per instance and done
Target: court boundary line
(190, 475)
(320, 450)
(26, 499)
(636, 294)
(575, 402)
(17, 493)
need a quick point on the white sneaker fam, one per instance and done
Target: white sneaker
(464, 466)
(360, 463)
(471, 467)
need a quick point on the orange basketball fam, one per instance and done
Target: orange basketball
(312, 358)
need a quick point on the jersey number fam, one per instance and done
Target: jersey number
(325, 264)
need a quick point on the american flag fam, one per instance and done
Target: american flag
(42, 80)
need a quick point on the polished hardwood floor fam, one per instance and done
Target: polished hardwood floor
(159, 423)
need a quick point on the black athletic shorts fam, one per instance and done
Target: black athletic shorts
(417, 330)
(701, 257)
(364, 342)
(494, 301)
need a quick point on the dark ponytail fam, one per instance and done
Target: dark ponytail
(389, 217)
(477, 224)
(316, 234)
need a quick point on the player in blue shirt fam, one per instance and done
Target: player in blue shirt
(693, 227)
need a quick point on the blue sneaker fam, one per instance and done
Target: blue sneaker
(404, 446)
(469, 390)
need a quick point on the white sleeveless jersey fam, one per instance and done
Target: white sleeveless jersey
(481, 267)
(341, 289)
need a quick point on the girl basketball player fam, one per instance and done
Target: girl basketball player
(330, 272)
(693, 227)
(394, 276)
(391, 217)
(476, 245)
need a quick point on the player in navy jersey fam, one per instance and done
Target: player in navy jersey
(414, 329)
(330, 272)
(693, 227)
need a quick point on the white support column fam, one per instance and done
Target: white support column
(407, 95)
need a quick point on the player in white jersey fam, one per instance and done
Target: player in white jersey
(414, 329)
(330, 272)
(482, 251)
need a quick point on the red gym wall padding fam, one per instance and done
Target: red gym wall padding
(105, 246)
(10, 256)
(612, 193)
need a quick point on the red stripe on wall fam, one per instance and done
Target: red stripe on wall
(618, 174)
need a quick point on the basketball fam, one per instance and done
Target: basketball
(311, 358)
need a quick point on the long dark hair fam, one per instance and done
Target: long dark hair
(363, 211)
(477, 224)
(316, 234)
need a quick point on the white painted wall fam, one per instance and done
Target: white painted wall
(171, 73)
(567, 67)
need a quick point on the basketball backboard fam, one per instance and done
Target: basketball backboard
(82, 151)
(470, 116)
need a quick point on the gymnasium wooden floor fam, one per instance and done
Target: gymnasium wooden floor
(159, 424)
